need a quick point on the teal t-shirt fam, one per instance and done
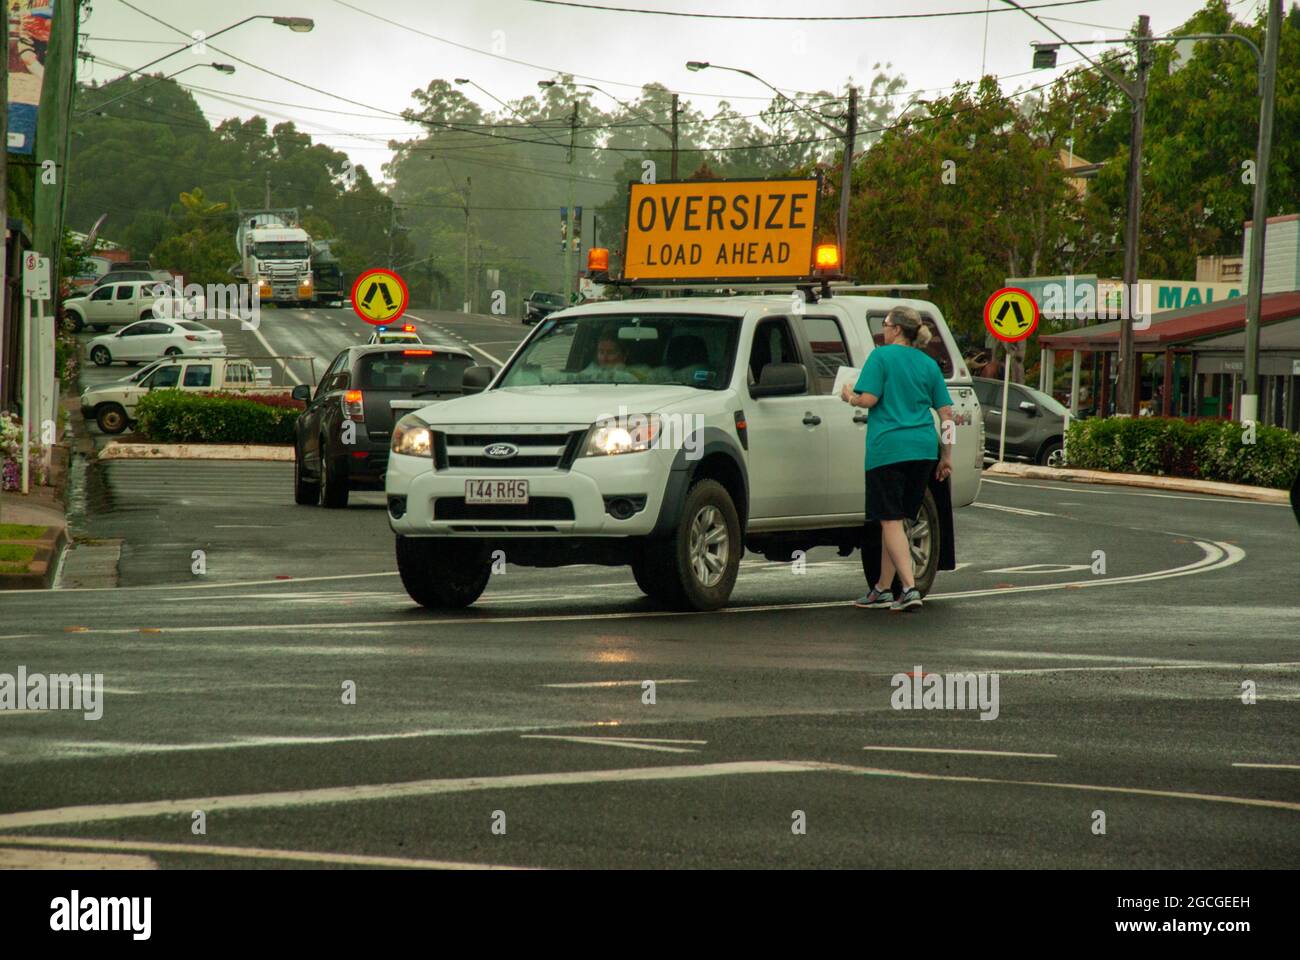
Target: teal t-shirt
(909, 384)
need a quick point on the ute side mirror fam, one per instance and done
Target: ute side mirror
(1029, 408)
(780, 380)
(301, 392)
(476, 379)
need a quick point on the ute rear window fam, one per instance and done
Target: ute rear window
(935, 348)
(423, 370)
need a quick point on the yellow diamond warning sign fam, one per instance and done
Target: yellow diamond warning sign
(721, 230)
(1011, 314)
(379, 296)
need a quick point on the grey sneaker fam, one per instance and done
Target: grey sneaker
(907, 600)
(875, 600)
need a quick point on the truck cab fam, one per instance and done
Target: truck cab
(669, 435)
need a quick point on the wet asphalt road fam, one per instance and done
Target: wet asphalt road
(1119, 693)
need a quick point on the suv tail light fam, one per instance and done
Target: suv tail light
(353, 408)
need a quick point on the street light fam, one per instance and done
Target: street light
(219, 67)
(296, 24)
(1266, 76)
(848, 133)
(671, 134)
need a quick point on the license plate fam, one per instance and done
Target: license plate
(496, 491)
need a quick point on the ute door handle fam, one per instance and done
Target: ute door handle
(859, 418)
(811, 419)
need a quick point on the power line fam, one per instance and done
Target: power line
(799, 18)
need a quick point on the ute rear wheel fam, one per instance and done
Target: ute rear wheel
(695, 568)
(923, 538)
(443, 574)
(111, 417)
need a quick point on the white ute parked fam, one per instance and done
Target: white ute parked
(665, 434)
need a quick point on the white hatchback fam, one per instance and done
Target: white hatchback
(150, 339)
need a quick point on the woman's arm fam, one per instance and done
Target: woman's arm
(947, 436)
(853, 399)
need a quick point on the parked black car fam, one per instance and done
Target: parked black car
(341, 439)
(539, 305)
(1035, 424)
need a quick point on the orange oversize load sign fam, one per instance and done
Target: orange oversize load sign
(721, 230)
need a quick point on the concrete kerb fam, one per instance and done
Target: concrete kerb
(116, 450)
(1174, 484)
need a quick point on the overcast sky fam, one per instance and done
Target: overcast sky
(353, 55)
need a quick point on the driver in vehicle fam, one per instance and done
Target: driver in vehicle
(610, 363)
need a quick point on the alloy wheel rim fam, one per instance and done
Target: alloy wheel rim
(709, 546)
(918, 541)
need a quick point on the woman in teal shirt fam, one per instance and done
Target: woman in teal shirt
(900, 383)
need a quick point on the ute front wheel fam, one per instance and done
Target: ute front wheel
(443, 574)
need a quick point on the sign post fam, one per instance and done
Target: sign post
(1010, 315)
(36, 285)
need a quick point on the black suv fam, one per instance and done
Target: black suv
(539, 305)
(341, 439)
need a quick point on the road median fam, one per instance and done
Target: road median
(1174, 484)
(115, 450)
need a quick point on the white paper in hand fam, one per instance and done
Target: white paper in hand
(845, 375)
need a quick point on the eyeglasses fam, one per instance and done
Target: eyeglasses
(889, 323)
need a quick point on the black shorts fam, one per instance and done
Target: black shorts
(895, 491)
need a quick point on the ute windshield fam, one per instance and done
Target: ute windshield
(668, 348)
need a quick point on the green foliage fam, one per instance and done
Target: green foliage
(1203, 449)
(173, 416)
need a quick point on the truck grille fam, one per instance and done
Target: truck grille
(465, 448)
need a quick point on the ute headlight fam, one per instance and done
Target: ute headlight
(412, 437)
(631, 434)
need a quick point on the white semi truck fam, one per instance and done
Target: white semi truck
(275, 255)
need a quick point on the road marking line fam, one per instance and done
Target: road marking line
(1080, 488)
(609, 683)
(101, 813)
(21, 859)
(631, 743)
(127, 747)
(1017, 510)
(251, 853)
(1269, 766)
(1218, 555)
(978, 753)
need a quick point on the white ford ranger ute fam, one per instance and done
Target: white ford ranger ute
(664, 434)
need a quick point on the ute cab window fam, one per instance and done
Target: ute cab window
(412, 371)
(683, 349)
(162, 377)
(936, 348)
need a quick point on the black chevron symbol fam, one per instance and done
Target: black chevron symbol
(383, 292)
(1014, 307)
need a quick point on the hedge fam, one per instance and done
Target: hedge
(172, 416)
(1202, 449)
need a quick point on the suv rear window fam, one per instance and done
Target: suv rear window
(412, 370)
(935, 348)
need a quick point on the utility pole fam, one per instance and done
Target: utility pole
(846, 175)
(1255, 282)
(468, 184)
(392, 232)
(674, 174)
(1126, 376)
(568, 240)
(268, 189)
(4, 202)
